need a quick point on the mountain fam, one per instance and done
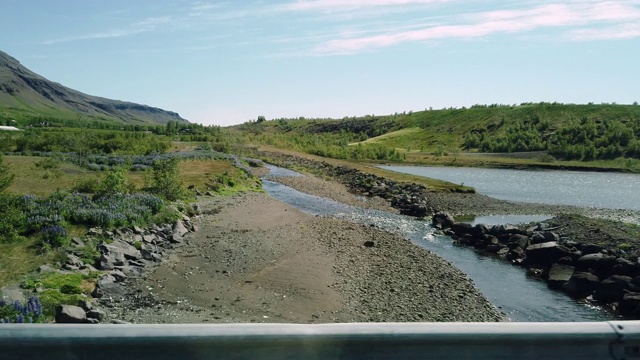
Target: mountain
(25, 94)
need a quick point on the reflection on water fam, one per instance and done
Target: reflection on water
(587, 189)
(506, 286)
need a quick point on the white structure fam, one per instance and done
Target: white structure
(9, 128)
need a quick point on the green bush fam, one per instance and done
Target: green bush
(115, 182)
(166, 180)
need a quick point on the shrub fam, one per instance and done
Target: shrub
(166, 180)
(114, 183)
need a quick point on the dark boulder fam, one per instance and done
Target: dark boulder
(69, 314)
(518, 240)
(581, 284)
(462, 229)
(630, 304)
(612, 289)
(442, 220)
(559, 274)
(598, 262)
(590, 249)
(545, 253)
(624, 267)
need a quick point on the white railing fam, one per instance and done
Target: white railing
(596, 340)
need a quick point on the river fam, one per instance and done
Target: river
(520, 297)
(578, 188)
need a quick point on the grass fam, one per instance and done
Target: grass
(39, 181)
(18, 259)
(61, 288)
(218, 176)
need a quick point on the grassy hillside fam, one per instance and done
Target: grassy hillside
(583, 133)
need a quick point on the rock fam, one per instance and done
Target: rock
(137, 230)
(77, 242)
(156, 257)
(545, 253)
(45, 269)
(120, 247)
(110, 261)
(149, 239)
(581, 284)
(630, 304)
(92, 321)
(442, 220)
(551, 236)
(86, 305)
(369, 244)
(74, 260)
(146, 254)
(119, 322)
(590, 249)
(598, 261)
(559, 274)
(612, 289)
(97, 293)
(69, 314)
(494, 248)
(175, 238)
(624, 267)
(209, 193)
(113, 290)
(96, 314)
(538, 238)
(118, 275)
(518, 240)
(179, 229)
(195, 208)
(462, 229)
(95, 232)
(12, 293)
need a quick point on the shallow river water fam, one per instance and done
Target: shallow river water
(586, 189)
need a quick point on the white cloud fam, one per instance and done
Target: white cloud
(621, 17)
(146, 25)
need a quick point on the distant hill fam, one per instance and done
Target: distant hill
(566, 131)
(25, 95)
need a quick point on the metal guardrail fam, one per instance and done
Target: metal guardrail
(597, 340)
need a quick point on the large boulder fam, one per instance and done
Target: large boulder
(612, 289)
(597, 262)
(462, 229)
(630, 304)
(442, 220)
(545, 253)
(590, 249)
(518, 240)
(559, 274)
(179, 228)
(69, 314)
(581, 284)
(119, 247)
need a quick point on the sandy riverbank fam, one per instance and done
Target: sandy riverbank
(256, 259)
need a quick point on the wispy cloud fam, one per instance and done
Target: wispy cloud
(146, 25)
(578, 17)
(332, 5)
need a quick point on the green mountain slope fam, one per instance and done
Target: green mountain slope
(566, 131)
(27, 95)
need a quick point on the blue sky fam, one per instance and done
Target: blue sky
(226, 62)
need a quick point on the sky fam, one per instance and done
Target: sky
(227, 62)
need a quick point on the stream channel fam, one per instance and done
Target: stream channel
(519, 296)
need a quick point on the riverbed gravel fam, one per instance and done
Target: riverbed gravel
(256, 259)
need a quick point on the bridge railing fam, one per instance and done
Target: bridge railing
(595, 340)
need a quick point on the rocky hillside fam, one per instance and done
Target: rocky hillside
(24, 93)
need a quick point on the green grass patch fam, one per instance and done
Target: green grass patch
(59, 289)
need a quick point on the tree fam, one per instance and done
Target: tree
(6, 178)
(261, 119)
(166, 180)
